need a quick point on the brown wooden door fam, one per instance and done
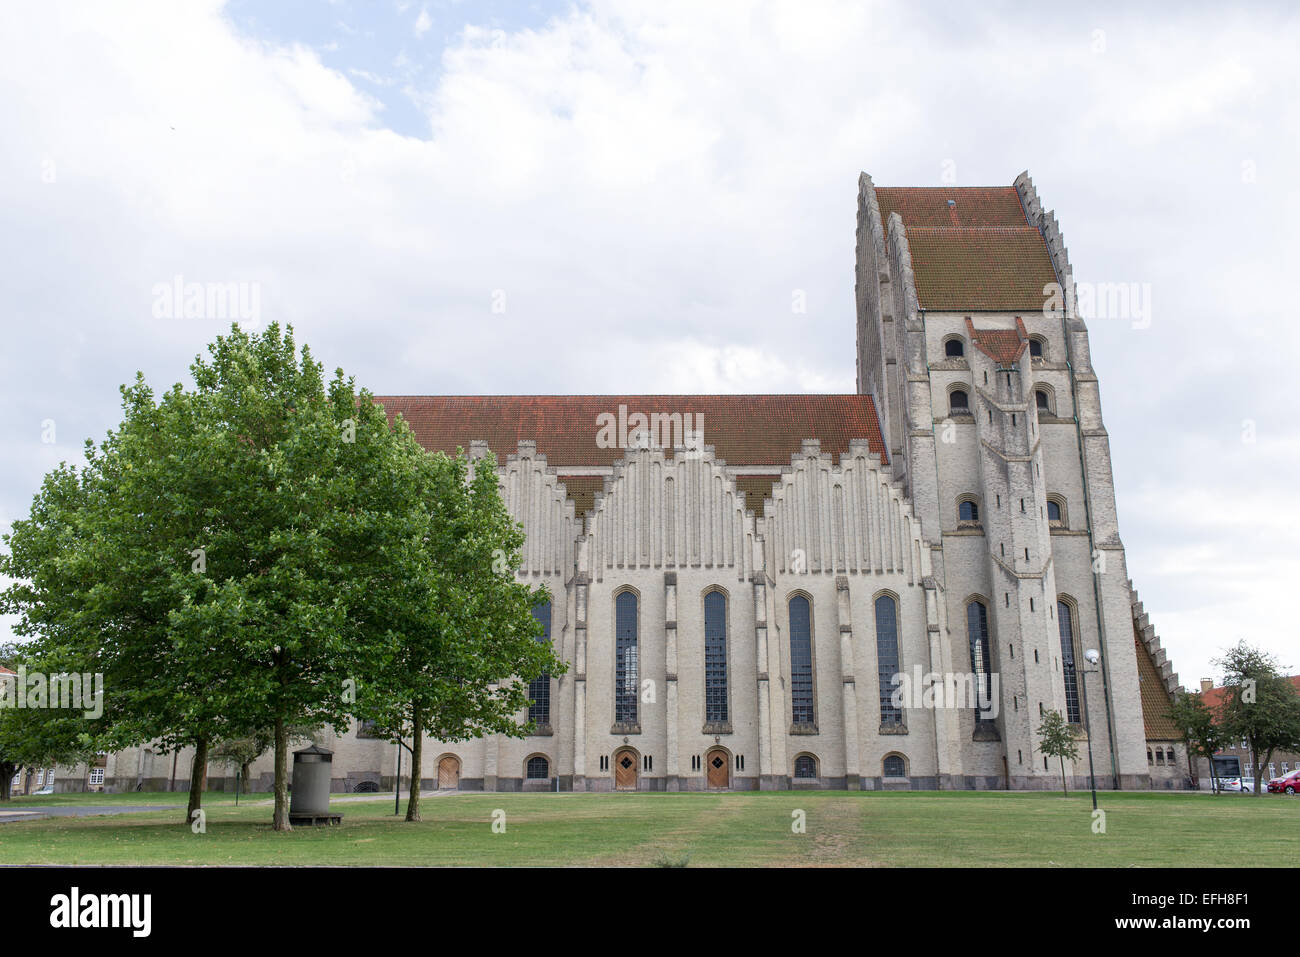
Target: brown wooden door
(625, 770)
(718, 768)
(448, 773)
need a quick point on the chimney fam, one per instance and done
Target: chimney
(1207, 684)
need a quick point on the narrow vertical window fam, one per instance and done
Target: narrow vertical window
(627, 659)
(1065, 619)
(977, 630)
(801, 672)
(539, 689)
(715, 657)
(887, 659)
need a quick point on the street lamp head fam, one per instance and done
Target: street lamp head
(1093, 655)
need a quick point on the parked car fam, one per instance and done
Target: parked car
(1286, 784)
(48, 789)
(1237, 784)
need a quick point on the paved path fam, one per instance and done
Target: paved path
(80, 810)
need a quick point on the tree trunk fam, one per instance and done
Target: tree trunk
(7, 772)
(243, 776)
(1064, 790)
(281, 818)
(198, 779)
(1259, 773)
(413, 803)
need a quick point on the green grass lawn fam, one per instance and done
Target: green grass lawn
(843, 829)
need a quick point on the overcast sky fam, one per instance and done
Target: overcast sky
(623, 197)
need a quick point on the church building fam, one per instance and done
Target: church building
(883, 590)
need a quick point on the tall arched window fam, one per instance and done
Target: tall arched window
(887, 658)
(981, 665)
(805, 766)
(1065, 619)
(627, 663)
(958, 402)
(539, 689)
(715, 656)
(801, 671)
(894, 767)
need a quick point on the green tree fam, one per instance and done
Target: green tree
(460, 643)
(1056, 739)
(241, 752)
(10, 758)
(31, 737)
(1199, 726)
(209, 556)
(1260, 705)
(103, 562)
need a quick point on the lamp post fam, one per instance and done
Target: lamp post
(1092, 656)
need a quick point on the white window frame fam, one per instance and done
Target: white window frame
(96, 772)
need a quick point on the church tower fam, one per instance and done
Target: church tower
(978, 364)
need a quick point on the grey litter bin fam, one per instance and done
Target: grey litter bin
(309, 802)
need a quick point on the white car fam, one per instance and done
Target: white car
(1237, 784)
(48, 789)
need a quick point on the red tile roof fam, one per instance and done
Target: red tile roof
(1154, 696)
(756, 489)
(1214, 697)
(6, 671)
(979, 254)
(743, 429)
(582, 491)
(1005, 346)
(972, 205)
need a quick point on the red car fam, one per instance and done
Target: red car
(1286, 784)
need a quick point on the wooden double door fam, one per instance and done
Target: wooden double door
(717, 769)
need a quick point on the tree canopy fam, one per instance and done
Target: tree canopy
(260, 551)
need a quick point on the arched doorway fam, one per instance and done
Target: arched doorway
(625, 769)
(717, 769)
(449, 773)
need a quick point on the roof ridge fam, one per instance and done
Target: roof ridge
(1018, 228)
(621, 395)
